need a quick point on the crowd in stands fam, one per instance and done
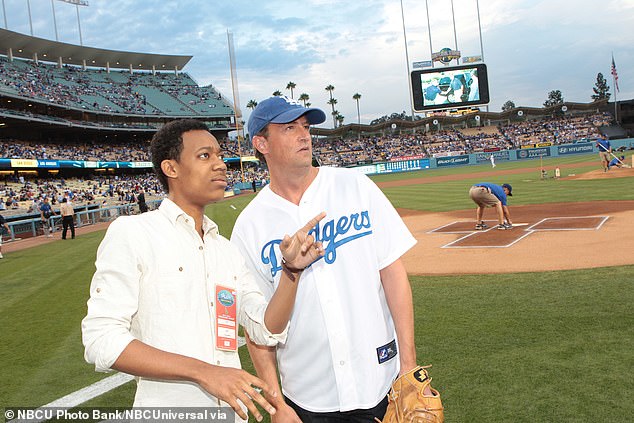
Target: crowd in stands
(561, 130)
(20, 195)
(89, 151)
(23, 195)
(139, 93)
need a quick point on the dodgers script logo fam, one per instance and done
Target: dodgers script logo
(332, 234)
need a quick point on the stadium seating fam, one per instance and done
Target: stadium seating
(140, 93)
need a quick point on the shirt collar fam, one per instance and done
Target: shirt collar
(174, 213)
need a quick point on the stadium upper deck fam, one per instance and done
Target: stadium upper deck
(57, 85)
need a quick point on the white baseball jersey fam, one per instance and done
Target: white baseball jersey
(341, 348)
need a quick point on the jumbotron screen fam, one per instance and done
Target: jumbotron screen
(450, 87)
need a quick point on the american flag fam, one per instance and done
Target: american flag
(615, 75)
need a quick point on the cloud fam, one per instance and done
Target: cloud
(530, 46)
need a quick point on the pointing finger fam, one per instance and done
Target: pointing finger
(315, 220)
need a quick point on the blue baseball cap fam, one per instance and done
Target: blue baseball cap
(280, 109)
(509, 187)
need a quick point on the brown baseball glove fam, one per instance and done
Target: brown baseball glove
(407, 402)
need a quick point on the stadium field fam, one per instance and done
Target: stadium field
(513, 347)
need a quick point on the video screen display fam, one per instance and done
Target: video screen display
(450, 87)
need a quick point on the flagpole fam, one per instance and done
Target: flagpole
(616, 113)
(615, 82)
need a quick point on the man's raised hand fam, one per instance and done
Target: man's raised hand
(301, 249)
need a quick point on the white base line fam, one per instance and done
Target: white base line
(464, 231)
(450, 245)
(83, 395)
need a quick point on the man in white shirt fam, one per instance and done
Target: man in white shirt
(169, 290)
(351, 331)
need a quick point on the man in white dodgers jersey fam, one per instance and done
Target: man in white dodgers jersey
(351, 330)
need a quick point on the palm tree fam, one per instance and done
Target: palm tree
(252, 104)
(357, 97)
(340, 119)
(291, 86)
(277, 93)
(330, 89)
(304, 98)
(332, 103)
(334, 117)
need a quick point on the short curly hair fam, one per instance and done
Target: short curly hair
(167, 144)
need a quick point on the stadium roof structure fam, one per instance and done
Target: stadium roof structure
(27, 47)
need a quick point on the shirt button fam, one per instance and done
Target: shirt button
(200, 248)
(180, 269)
(186, 220)
(342, 362)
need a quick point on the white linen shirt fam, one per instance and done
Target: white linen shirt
(341, 321)
(155, 282)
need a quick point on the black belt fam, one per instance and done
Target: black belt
(485, 188)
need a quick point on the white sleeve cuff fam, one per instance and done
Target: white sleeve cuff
(257, 330)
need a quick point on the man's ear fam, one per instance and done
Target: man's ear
(169, 168)
(260, 143)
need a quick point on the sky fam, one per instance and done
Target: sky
(530, 47)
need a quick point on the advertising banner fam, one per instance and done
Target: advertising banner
(533, 153)
(404, 166)
(141, 165)
(48, 164)
(116, 165)
(452, 161)
(499, 155)
(23, 163)
(587, 147)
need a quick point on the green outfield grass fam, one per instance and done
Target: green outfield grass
(528, 187)
(526, 347)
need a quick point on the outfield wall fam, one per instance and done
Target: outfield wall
(534, 152)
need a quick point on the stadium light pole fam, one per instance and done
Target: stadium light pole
(54, 20)
(486, 107)
(4, 13)
(455, 36)
(431, 49)
(77, 3)
(409, 78)
(81, 41)
(28, 6)
(480, 30)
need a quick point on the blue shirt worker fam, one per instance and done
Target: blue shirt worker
(605, 149)
(46, 211)
(485, 194)
(618, 162)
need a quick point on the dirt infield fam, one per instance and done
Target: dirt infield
(547, 248)
(586, 243)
